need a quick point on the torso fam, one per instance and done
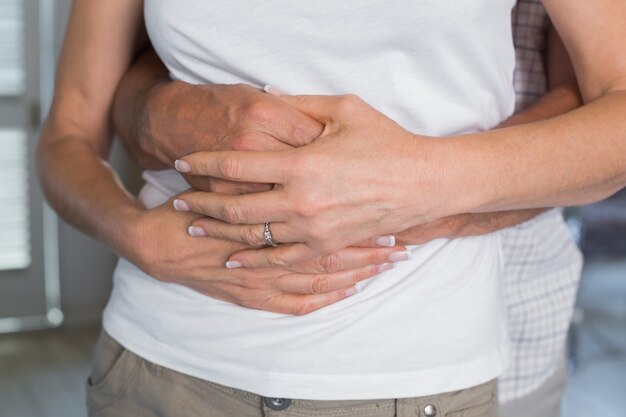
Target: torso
(432, 324)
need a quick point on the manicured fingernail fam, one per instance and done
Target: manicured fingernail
(351, 291)
(196, 231)
(181, 205)
(398, 256)
(386, 241)
(182, 166)
(383, 267)
(233, 264)
(270, 89)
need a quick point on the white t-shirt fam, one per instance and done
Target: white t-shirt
(433, 324)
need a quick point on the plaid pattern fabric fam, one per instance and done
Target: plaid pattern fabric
(542, 265)
(530, 23)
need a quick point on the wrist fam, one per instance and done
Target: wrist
(124, 233)
(429, 191)
(152, 105)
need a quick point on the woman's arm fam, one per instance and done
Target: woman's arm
(563, 96)
(76, 138)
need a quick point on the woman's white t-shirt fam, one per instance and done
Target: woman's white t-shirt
(433, 324)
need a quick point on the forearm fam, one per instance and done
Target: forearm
(563, 96)
(130, 106)
(76, 137)
(572, 159)
(562, 99)
(559, 100)
(84, 189)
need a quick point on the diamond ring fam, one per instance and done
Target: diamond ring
(267, 235)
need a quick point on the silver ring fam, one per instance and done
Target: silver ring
(267, 235)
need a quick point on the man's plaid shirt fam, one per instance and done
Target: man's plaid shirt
(542, 265)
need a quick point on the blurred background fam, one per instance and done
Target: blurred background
(54, 281)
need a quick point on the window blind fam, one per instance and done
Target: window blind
(12, 73)
(14, 213)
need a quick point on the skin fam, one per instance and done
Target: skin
(84, 190)
(176, 118)
(65, 145)
(575, 158)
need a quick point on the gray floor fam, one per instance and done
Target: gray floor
(42, 374)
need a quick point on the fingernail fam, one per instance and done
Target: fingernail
(398, 256)
(196, 231)
(383, 267)
(181, 205)
(351, 291)
(386, 241)
(182, 166)
(233, 264)
(268, 88)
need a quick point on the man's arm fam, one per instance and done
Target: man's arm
(146, 75)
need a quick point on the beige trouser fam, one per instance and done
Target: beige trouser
(123, 384)
(545, 401)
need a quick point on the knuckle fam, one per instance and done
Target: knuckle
(308, 206)
(242, 88)
(278, 260)
(304, 308)
(319, 230)
(319, 285)
(232, 213)
(348, 102)
(230, 168)
(251, 237)
(331, 262)
(259, 112)
(240, 295)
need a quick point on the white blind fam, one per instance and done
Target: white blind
(14, 228)
(12, 72)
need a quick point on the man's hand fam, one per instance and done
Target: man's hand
(181, 118)
(347, 186)
(160, 246)
(170, 119)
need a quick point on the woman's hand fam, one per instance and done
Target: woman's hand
(355, 182)
(160, 246)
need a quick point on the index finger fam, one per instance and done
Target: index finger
(240, 166)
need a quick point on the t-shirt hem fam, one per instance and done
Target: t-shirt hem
(322, 387)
